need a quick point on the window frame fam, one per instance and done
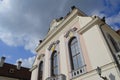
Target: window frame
(78, 54)
(40, 73)
(54, 66)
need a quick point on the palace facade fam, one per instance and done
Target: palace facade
(78, 47)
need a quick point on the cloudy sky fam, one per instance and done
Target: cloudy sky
(24, 22)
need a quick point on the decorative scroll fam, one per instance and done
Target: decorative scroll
(70, 33)
(53, 45)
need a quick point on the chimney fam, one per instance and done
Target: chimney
(2, 61)
(19, 65)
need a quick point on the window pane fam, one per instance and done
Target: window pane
(55, 60)
(75, 54)
(56, 71)
(54, 65)
(75, 63)
(73, 50)
(79, 60)
(41, 66)
(77, 49)
(40, 71)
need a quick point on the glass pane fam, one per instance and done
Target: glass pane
(55, 60)
(40, 71)
(72, 42)
(54, 64)
(77, 49)
(56, 71)
(73, 50)
(75, 63)
(41, 66)
(79, 60)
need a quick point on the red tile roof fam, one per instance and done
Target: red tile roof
(9, 70)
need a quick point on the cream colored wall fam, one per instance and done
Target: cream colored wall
(7, 78)
(46, 65)
(85, 54)
(98, 53)
(34, 74)
(63, 57)
(84, 21)
(44, 49)
(96, 48)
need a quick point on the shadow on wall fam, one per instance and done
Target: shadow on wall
(111, 76)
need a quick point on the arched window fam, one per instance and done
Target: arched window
(40, 71)
(75, 55)
(54, 64)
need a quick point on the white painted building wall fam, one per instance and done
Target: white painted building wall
(96, 52)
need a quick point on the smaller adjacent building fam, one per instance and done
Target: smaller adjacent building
(13, 72)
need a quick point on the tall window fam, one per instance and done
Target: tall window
(54, 64)
(40, 71)
(75, 55)
(114, 43)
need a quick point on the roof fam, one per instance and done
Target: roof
(10, 70)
